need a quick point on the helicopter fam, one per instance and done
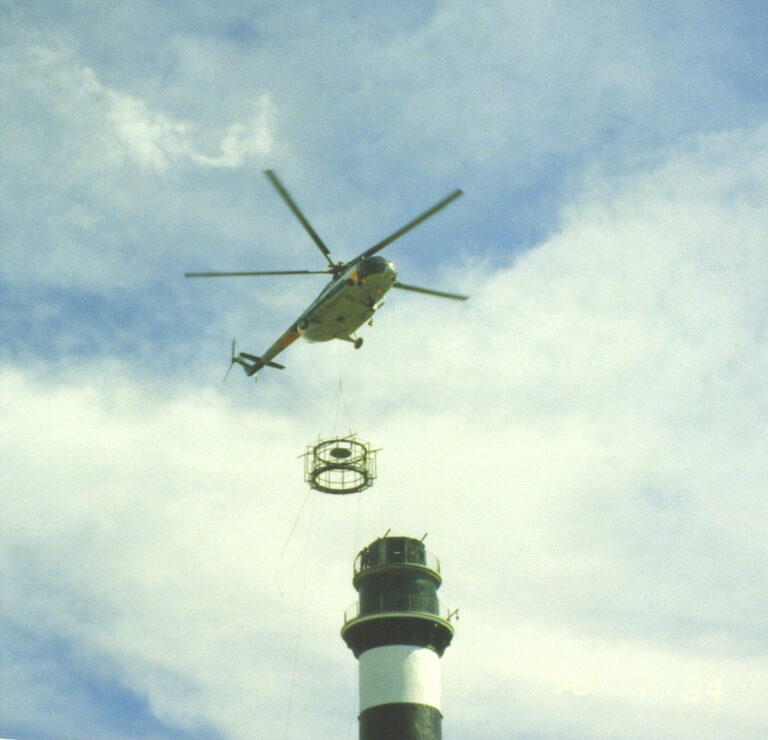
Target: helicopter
(354, 293)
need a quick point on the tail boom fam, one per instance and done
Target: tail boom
(259, 362)
(252, 364)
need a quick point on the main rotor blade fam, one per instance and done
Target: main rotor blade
(411, 224)
(428, 291)
(263, 272)
(296, 212)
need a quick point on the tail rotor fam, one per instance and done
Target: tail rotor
(232, 361)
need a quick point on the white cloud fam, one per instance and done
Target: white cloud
(86, 169)
(152, 139)
(52, 85)
(583, 441)
(167, 578)
(156, 141)
(244, 140)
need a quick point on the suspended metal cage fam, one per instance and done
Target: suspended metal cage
(341, 465)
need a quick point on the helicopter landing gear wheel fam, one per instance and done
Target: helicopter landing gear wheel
(358, 343)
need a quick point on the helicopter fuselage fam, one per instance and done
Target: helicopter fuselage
(348, 301)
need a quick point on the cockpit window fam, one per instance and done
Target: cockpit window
(371, 266)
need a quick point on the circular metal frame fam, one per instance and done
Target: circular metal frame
(340, 466)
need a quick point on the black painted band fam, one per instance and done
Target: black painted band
(401, 722)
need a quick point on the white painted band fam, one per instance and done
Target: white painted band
(399, 674)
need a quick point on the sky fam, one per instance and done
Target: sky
(583, 440)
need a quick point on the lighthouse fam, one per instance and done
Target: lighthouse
(398, 631)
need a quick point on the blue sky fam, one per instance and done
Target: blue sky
(584, 440)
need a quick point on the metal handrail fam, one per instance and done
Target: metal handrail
(432, 561)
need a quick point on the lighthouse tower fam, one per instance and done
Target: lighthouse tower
(398, 632)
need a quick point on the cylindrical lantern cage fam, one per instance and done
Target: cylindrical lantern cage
(340, 466)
